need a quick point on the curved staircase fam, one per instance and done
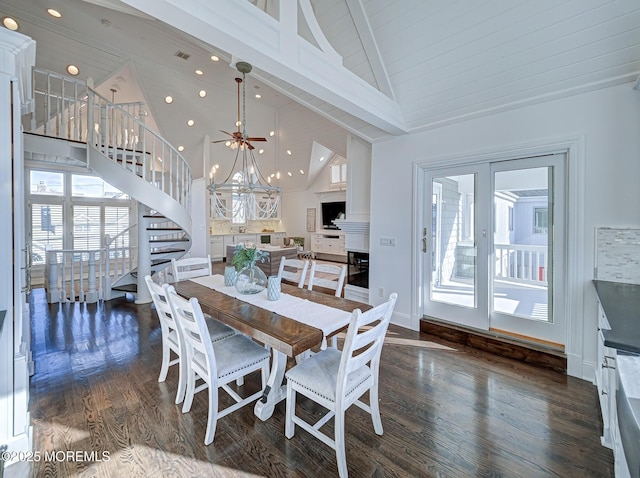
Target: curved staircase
(124, 152)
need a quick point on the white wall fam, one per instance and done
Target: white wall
(295, 204)
(606, 125)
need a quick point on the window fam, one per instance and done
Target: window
(540, 220)
(46, 230)
(74, 217)
(47, 183)
(338, 174)
(94, 187)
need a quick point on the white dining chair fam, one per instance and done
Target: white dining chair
(336, 380)
(216, 363)
(294, 270)
(191, 267)
(331, 276)
(172, 336)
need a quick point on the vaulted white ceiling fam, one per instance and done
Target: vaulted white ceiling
(422, 64)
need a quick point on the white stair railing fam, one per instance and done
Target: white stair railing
(122, 257)
(72, 275)
(61, 106)
(127, 141)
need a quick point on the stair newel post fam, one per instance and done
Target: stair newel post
(144, 255)
(91, 133)
(91, 278)
(107, 271)
(52, 285)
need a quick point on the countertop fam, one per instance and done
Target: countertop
(621, 304)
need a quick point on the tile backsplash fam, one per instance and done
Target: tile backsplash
(617, 255)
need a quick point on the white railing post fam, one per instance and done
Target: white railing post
(91, 278)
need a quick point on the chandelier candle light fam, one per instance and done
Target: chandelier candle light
(245, 180)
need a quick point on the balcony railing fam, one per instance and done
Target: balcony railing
(525, 264)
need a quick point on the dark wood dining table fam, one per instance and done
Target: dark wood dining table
(285, 336)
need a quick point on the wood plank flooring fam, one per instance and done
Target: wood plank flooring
(447, 411)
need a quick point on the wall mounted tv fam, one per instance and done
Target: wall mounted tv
(331, 211)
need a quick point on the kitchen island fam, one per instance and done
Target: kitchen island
(274, 256)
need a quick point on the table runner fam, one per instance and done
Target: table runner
(323, 317)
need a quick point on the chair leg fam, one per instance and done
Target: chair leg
(212, 419)
(182, 379)
(166, 356)
(375, 409)
(191, 385)
(341, 456)
(289, 426)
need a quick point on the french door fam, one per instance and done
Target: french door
(492, 246)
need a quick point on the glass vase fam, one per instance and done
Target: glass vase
(250, 280)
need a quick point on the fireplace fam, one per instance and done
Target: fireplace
(358, 269)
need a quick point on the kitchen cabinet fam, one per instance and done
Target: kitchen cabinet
(217, 247)
(618, 342)
(606, 379)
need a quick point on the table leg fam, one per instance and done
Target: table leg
(275, 391)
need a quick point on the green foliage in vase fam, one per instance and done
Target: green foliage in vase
(244, 256)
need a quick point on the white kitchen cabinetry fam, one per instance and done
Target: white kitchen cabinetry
(217, 247)
(277, 238)
(606, 381)
(328, 243)
(266, 207)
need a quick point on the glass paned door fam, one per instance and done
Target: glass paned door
(454, 241)
(528, 204)
(490, 258)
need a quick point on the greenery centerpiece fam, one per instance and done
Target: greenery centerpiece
(250, 278)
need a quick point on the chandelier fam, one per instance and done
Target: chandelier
(245, 180)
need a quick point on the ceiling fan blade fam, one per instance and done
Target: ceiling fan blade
(249, 145)
(256, 139)
(220, 141)
(223, 131)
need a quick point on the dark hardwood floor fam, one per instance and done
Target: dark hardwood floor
(447, 411)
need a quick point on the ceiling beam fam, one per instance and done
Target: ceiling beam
(274, 46)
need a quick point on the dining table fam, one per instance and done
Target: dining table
(291, 326)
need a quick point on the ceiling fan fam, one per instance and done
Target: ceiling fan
(240, 138)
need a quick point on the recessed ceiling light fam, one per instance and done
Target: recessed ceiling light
(199, 72)
(214, 58)
(168, 99)
(202, 93)
(10, 23)
(258, 95)
(238, 123)
(289, 173)
(261, 151)
(271, 133)
(73, 70)
(181, 148)
(54, 13)
(289, 152)
(321, 158)
(302, 171)
(190, 123)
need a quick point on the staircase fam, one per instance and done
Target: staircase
(124, 152)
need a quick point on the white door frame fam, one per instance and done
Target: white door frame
(573, 147)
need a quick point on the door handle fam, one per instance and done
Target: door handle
(424, 239)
